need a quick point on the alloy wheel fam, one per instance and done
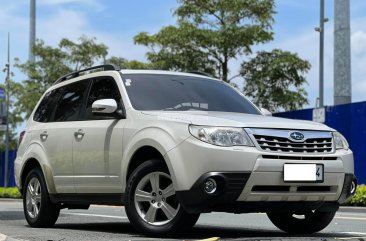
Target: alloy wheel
(33, 197)
(155, 199)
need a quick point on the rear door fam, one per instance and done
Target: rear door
(97, 149)
(57, 133)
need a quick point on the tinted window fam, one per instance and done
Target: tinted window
(183, 93)
(47, 106)
(69, 104)
(102, 88)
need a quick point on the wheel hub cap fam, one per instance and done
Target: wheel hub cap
(155, 199)
(33, 197)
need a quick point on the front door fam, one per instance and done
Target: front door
(97, 145)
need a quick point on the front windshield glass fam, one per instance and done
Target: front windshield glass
(183, 93)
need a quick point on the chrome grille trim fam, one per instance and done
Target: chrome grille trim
(272, 140)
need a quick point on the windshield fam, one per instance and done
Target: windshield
(183, 93)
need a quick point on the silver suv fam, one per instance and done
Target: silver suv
(169, 146)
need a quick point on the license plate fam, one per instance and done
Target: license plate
(303, 173)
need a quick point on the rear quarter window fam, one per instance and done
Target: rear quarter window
(46, 107)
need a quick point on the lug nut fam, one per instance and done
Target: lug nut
(163, 199)
(160, 193)
(153, 201)
(159, 204)
(154, 194)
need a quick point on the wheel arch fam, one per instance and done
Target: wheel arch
(35, 157)
(140, 155)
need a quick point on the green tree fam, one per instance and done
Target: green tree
(84, 54)
(274, 80)
(129, 64)
(52, 63)
(209, 34)
(14, 117)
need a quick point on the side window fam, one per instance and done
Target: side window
(46, 107)
(102, 88)
(68, 107)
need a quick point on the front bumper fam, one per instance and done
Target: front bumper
(261, 178)
(229, 189)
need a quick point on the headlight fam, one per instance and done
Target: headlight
(340, 141)
(221, 136)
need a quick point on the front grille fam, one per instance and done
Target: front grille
(283, 144)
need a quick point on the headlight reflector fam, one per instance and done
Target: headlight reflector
(340, 141)
(221, 136)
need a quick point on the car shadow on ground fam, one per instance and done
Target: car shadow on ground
(201, 232)
(11, 215)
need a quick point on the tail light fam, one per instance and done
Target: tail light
(21, 136)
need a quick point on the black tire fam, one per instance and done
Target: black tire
(182, 221)
(48, 211)
(311, 222)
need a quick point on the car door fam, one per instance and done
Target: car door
(97, 146)
(56, 134)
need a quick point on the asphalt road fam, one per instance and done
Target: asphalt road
(110, 223)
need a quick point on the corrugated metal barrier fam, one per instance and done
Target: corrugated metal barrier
(11, 179)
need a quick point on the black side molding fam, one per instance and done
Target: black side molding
(73, 199)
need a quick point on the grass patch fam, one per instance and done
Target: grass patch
(359, 199)
(10, 192)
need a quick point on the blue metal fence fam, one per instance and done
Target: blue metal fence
(11, 179)
(348, 119)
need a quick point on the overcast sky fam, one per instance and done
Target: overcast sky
(115, 22)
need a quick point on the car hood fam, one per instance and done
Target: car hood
(212, 118)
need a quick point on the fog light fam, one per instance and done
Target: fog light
(353, 187)
(210, 185)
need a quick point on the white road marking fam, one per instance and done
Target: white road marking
(351, 218)
(359, 236)
(95, 215)
(354, 233)
(2, 237)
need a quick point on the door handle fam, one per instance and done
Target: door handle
(44, 135)
(79, 134)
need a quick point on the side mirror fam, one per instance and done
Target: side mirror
(266, 112)
(104, 106)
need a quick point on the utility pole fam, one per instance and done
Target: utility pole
(7, 115)
(342, 52)
(32, 29)
(321, 30)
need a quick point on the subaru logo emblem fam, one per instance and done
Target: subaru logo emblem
(297, 136)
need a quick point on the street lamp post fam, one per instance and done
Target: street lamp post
(321, 31)
(7, 102)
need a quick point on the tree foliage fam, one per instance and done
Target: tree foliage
(129, 64)
(84, 54)
(52, 63)
(14, 117)
(274, 80)
(210, 33)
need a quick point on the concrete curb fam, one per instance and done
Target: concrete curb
(352, 209)
(10, 199)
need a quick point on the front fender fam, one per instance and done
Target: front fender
(154, 137)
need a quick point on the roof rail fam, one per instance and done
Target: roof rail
(199, 73)
(103, 67)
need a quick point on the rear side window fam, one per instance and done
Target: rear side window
(70, 102)
(102, 88)
(47, 106)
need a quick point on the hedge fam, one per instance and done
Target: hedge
(11, 192)
(359, 199)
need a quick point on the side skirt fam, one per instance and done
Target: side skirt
(84, 199)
